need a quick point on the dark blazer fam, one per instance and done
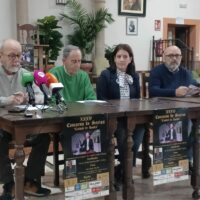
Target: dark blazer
(84, 145)
(108, 88)
(168, 135)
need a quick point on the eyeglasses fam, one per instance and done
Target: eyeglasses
(76, 61)
(173, 55)
(14, 56)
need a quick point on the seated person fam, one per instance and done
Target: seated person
(170, 79)
(13, 93)
(77, 85)
(120, 81)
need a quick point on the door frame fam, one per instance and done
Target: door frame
(194, 35)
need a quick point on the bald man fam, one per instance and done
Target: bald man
(13, 93)
(170, 79)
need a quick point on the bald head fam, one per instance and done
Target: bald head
(10, 55)
(172, 50)
(10, 43)
(172, 58)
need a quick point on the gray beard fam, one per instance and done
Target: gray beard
(12, 70)
(174, 69)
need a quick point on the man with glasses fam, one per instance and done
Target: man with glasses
(170, 79)
(13, 93)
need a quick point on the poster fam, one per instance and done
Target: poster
(170, 161)
(86, 163)
(28, 57)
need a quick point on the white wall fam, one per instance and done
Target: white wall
(7, 19)
(116, 32)
(156, 9)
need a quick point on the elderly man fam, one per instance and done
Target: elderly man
(13, 93)
(77, 85)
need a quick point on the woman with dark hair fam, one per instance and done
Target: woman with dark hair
(120, 81)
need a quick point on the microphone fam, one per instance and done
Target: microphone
(27, 81)
(55, 87)
(41, 81)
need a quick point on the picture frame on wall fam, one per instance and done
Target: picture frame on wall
(132, 7)
(131, 26)
(61, 2)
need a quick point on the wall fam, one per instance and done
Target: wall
(156, 9)
(141, 44)
(7, 20)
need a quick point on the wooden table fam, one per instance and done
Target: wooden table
(142, 111)
(136, 111)
(53, 122)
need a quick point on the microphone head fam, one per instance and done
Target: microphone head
(51, 78)
(39, 77)
(54, 87)
(27, 77)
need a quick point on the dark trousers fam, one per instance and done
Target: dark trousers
(36, 160)
(120, 135)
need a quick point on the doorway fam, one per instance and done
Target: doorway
(188, 31)
(181, 33)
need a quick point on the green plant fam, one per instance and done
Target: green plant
(109, 54)
(86, 25)
(49, 34)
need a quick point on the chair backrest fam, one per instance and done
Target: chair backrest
(144, 83)
(27, 34)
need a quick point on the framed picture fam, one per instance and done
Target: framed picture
(157, 25)
(60, 2)
(131, 26)
(132, 7)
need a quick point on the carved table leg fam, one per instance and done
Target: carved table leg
(146, 160)
(19, 172)
(112, 124)
(128, 186)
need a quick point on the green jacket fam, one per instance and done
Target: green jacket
(77, 87)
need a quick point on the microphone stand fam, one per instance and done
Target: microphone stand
(59, 104)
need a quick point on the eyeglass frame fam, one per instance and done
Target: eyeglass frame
(177, 56)
(13, 56)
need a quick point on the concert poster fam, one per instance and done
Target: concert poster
(86, 163)
(170, 161)
(28, 57)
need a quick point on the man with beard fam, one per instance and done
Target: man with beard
(170, 79)
(13, 93)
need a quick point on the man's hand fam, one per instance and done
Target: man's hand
(181, 91)
(17, 98)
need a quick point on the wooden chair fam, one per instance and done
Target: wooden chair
(29, 34)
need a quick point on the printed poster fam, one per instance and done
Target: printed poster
(170, 161)
(28, 57)
(86, 162)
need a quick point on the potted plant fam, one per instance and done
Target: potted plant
(109, 54)
(86, 26)
(49, 34)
